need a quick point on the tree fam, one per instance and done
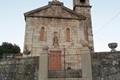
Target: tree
(9, 48)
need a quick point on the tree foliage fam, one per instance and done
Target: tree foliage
(7, 48)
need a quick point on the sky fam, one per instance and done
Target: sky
(105, 21)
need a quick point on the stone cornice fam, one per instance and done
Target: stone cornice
(56, 17)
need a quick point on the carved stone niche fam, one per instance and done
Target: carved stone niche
(55, 40)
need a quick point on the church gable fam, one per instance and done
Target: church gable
(54, 10)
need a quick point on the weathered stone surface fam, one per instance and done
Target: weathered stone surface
(106, 66)
(19, 69)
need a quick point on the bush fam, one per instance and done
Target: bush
(9, 48)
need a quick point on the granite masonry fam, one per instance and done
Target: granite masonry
(58, 45)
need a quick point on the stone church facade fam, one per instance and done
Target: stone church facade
(66, 33)
(72, 28)
(59, 46)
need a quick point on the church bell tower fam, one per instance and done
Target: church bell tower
(82, 7)
(81, 2)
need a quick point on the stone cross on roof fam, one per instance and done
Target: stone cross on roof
(55, 0)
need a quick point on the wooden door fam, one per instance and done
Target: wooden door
(54, 62)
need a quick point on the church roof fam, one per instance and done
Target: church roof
(54, 9)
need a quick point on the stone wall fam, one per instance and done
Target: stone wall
(106, 66)
(19, 69)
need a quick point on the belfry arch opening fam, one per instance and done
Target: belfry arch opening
(82, 1)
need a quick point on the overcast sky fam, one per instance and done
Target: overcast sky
(105, 20)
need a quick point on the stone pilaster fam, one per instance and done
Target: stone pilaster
(43, 65)
(86, 64)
